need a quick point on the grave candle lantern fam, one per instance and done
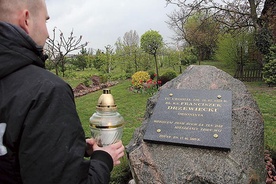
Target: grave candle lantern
(106, 124)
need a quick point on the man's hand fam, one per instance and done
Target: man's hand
(89, 146)
(116, 150)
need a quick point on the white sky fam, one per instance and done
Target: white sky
(102, 22)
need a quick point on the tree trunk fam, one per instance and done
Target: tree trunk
(254, 16)
(268, 17)
(56, 69)
(135, 62)
(156, 65)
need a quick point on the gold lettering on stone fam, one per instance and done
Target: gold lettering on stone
(194, 111)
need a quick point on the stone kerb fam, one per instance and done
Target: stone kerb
(167, 163)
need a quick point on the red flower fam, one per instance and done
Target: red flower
(149, 81)
(159, 82)
(155, 75)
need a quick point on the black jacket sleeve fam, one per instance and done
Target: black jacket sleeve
(52, 145)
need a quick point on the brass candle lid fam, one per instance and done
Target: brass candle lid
(106, 101)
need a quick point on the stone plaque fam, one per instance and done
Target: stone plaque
(192, 117)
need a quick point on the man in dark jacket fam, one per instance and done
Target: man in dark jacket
(41, 137)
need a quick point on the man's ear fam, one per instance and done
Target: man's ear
(24, 21)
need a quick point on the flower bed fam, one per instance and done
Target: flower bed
(82, 90)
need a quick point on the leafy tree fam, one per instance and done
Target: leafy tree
(99, 60)
(264, 40)
(269, 72)
(103, 61)
(170, 57)
(128, 50)
(202, 33)
(269, 69)
(227, 50)
(151, 42)
(266, 36)
(237, 49)
(146, 61)
(58, 48)
(108, 54)
(188, 56)
(131, 46)
(272, 53)
(121, 57)
(81, 59)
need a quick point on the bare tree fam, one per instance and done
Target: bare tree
(234, 14)
(237, 16)
(131, 38)
(58, 48)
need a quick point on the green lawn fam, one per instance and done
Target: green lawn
(266, 100)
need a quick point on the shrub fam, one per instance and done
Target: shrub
(70, 74)
(150, 87)
(188, 57)
(167, 76)
(86, 79)
(269, 72)
(128, 75)
(103, 78)
(188, 60)
(120, 76)
(139, 78)
(152, 74)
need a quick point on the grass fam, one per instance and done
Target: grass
(132, 107)
(266, 100)
(220, 65)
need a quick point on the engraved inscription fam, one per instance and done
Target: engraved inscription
(196, 117)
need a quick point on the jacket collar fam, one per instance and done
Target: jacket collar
(17, 49)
